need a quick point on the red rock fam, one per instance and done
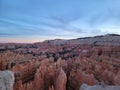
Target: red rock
(51, 88)
(61, 81)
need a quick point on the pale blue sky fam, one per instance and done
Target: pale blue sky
(37, 20)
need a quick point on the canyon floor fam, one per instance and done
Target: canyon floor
(62, 64)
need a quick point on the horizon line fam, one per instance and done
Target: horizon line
(23, 42)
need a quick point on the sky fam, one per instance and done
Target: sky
(38, 20)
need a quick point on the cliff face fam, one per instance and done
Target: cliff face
(62, 64)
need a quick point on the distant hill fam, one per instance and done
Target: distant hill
(108, 39)
(101, 40)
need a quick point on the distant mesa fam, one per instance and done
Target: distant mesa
(106, 40)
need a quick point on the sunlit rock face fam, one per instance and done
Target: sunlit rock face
(98, 87)
(61, 81)
(6, 80)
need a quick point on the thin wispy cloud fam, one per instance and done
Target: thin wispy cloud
(58, 19)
